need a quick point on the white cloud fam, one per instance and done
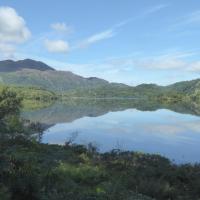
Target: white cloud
(62, 27)
(96, 38)
(13, 31)
(12, 26)
(57, 46)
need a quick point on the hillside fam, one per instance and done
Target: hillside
(52, 80)
(13, 66)
(185, 86)
(30, 73)
(191, 88)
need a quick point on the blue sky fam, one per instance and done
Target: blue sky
(129, 41)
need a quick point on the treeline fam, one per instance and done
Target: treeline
(150, 92)
(32, 97)
(31, 93)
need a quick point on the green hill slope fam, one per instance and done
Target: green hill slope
(30, 73)
(52, 80)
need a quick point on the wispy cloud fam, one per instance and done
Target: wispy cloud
(167, 61)
(192, 18)
(111, 32)
(171, 63)
(154, 9)
(194, 67)
(145, 13)
(96, 38)
(56, 41)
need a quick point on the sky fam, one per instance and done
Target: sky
(127, 41)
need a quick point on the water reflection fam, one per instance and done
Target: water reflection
(128, 125)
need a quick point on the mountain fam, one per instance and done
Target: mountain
(37, 74)
(13, 66)
(30, 73)
(59, 81)
(185, 86)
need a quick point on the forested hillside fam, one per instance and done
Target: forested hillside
(62, 84)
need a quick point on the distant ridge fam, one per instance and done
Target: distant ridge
(30, 73)
(38, 74)
(13, 66)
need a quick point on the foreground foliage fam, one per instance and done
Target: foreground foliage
(30, 170)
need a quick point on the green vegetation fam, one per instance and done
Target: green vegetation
(35, 80)
(9, 103)
(176, 93)
(32, 97)
(56, 81)
(30, 170)
(114, 97)
(39, 82)
(31, 93)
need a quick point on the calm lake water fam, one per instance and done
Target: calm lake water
(171, 131)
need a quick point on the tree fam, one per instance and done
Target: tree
(10, 103)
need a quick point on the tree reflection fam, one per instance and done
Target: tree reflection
(11, 124)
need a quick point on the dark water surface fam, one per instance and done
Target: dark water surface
(170, 130)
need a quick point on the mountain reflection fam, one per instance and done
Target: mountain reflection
(68, 111)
